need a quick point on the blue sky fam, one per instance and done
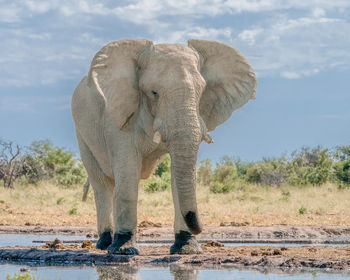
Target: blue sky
(300, 51)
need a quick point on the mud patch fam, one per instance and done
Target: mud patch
(306, 257)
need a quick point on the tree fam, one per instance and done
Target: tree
(10, 164)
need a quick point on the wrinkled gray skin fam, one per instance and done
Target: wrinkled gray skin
(140, 101)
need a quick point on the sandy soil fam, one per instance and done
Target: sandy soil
(150, 231)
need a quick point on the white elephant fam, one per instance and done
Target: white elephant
(140, 101)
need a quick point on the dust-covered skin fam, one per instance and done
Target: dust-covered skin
(140, 101)
(285, 258)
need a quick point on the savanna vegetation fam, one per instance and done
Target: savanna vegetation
(43, 185)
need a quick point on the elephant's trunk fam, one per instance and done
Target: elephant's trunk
(184, 139)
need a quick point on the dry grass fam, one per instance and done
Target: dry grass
(51, 205)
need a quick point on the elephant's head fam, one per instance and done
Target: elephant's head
(189, 91)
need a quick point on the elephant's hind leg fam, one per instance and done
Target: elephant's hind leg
(103, 190)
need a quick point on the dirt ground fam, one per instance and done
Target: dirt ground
(214, 253)
(149, 231)
(284, 258)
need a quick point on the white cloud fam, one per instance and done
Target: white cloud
(250, 35)
(318, 12)
(290, 75)
(32, 104)
(297, 47)
(46, 41)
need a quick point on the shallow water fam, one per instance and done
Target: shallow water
(27, 240)
(153, 273)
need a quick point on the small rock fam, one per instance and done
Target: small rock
(276, 252)
(146, 224)
(87, 244)
(24, 269)
(56, 244)
(254, 253)
(236, 224)
(214, 243)
(284, 248)
(27, 224)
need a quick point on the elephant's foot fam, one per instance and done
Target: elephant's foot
(104, 241)
(123, 244)
(186, 244)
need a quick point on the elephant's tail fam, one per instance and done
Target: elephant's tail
(86, 190)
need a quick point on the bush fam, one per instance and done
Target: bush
(310, 166)
(270, 172)
(342, 165)
(205, 172)
(160, 180)
(163, 167)
(21, 276)
(53, 163)
(302, 210)
(221, 188)
(73, 211)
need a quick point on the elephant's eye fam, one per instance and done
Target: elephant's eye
(154, 93)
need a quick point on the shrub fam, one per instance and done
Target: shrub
(163, 167)
(342, 165)
(55, 164)
(270, 172)
(221, 188)
(310, 166)
(21, 276)
(205, 172)
(73, 211)
(302, 210)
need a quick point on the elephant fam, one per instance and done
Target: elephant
(141, 101)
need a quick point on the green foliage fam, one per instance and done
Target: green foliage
(205, 172)
(224, 177)
(302, 210)
(342, 165)
(60, 200)
(55, 164)
(163, 167)
(221, 188)
(310, 166)
(160, 181)
(22, 276)
(73, 211)
(269, 172)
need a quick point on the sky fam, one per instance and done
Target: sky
(300, 51)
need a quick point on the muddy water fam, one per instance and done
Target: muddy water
(152, 273)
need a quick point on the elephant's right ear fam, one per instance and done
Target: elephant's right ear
(113, 72)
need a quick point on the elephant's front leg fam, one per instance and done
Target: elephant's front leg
(185, 241)
(127, 172)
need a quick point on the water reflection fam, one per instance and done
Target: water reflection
(171, 272)
(184, 273)
(131, 273)
(122, 272)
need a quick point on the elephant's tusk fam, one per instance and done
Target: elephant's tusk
(157, 137)
(207, 138)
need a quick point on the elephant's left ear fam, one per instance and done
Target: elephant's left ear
(230, 81)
